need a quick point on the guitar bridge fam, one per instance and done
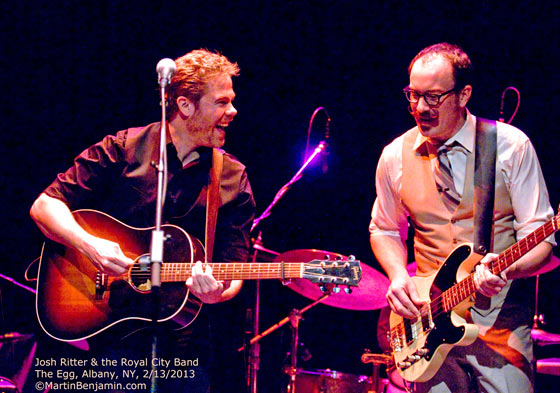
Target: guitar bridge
(100, 285)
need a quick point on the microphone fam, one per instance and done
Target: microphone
(324, 155)
(165, 68)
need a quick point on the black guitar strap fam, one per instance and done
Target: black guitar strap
(484, 183)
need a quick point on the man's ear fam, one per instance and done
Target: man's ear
(465, 95)
(186, 107)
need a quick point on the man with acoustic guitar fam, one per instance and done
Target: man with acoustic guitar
(426, 176)
(116, 176)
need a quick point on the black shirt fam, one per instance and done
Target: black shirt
(117, 177)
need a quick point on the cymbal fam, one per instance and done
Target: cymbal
(368, 295)
(259, 247)
(14, 336)
(544, 338)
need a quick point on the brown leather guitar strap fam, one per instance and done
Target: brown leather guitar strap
(213, 202)
(484, 183)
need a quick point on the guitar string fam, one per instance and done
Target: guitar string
(226, 271)
(504, 260)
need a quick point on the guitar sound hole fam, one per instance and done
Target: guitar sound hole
(140, 275)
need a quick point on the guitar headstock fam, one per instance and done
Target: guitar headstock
(339, 272)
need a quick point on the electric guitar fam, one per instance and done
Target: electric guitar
(420, 346)
(76, 301)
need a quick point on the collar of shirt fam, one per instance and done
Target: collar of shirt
(191, 159)
(460, 146)
(201, 155)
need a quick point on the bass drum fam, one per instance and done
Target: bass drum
(330, 381)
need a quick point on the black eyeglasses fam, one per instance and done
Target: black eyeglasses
(432, 99)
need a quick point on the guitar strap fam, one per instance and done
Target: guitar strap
(484, 183)
(213, 202)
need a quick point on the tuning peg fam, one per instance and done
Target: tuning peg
(323, 288)
(336, 290)
(351, 258)
(348, 290)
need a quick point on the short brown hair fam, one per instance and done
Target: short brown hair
(462, 66)
(194, 70)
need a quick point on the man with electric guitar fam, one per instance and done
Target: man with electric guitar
(116, 177)
(463, 324)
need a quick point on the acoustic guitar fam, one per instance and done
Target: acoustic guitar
(76, 301)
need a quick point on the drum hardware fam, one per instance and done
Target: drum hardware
(377, 360)
(331, 381)
(539, 336)
(293, 318)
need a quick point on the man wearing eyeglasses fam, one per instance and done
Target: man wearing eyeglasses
(425, 176)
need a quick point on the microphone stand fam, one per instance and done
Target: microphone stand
(254, 357)
(158, 237)
(320, 148)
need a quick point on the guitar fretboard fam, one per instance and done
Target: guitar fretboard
(466, 287)
(177, 271)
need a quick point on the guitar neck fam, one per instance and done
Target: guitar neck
(174, 272)
(466, 288)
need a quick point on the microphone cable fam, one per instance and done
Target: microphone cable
(327, 129)
(501, 118)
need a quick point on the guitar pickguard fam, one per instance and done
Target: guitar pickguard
(420, 346)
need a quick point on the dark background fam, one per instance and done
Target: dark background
(73, 72)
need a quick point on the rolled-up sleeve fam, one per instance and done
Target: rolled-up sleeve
(96, 167)
(389, 216)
